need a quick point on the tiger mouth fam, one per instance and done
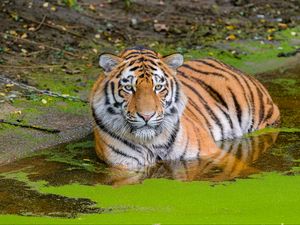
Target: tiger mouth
(144, 127)
(146, 132)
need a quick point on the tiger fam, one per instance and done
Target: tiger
(149, 108)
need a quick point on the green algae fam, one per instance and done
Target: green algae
(272, 130)
(251, 56)
(74, 155)
(289, 86)
(267, 198)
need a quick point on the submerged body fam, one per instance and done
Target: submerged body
(150, 108)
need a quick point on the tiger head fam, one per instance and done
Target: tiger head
(140, 97)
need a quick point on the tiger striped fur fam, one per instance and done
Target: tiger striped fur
(149, 108)
(237, 158)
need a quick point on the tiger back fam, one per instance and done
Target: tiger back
(149, 108)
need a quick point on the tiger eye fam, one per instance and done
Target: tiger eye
(128, 87)
(158, 87)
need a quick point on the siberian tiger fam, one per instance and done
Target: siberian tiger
(149, 108)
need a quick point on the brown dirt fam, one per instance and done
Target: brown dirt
(73, 29)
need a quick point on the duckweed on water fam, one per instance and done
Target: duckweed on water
(267, 198)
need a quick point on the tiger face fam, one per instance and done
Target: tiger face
(141, 97)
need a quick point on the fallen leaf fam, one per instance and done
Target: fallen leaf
(293, 33)
(13, 32)
(24, 50)
(95, 50)
(46, 4)
(92, 7)
(231, 37)
(24, 36)
(160, 27)
(271, 30)
(18, 112)
(15, 16)
(270, 38)
(282, 26)
(9, 85)
(230, 27)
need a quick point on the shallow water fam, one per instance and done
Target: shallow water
(33, 186)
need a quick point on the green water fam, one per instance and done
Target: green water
(259, 184)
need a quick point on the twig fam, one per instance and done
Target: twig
(44, 92)
(39, 44)
(59, 28)
(49, 130)
(29, 67)
(41, 23)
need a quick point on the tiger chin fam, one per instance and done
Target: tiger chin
(148, 107)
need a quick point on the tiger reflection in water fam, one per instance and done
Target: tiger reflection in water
(236, 158)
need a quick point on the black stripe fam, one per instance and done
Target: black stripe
(210, 111)
(221, 69)
(165, 73)
(262, 106)
(208, 125)
(243, 77)
(177, 93)
(107, 102)
(185, 149)
(104, 129)
(251, 106)
(116, 104)
(216, 96)
(203, 72)
(131, 63)
(171, 140)
(211, 91)
(132, 54)
(117, 151)
(171, 89)
(151, 67)
(269, 113)
(151, 61)
(111, 111)
(150, 55)
(237, 106)
(134, 68)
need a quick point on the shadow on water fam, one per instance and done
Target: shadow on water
(17, 198)
(77, 162)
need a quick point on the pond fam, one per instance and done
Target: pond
(258, 182)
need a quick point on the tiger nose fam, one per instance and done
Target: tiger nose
(146, 116)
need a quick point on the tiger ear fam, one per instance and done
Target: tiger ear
(174, 60)
(108, 61)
